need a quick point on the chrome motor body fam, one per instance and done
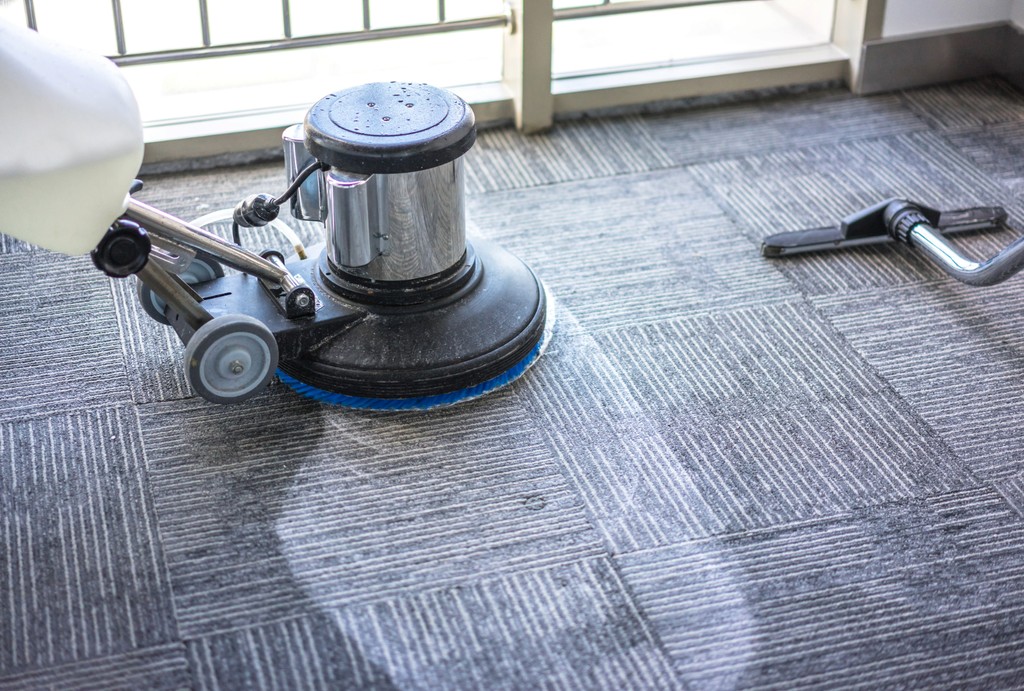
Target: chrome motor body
(383, 226)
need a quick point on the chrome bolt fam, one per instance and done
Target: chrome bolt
(236, 367)
(302, 300)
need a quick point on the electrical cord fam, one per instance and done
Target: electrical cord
(299, 179)
(262, 209)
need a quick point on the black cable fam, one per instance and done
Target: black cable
(261, 209)
(299, 179)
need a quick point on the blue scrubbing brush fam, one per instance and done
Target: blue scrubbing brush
(438, 400)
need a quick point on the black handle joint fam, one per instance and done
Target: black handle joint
(256, 210)
(124, 249)
(901, 217)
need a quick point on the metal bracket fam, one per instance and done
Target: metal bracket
(294, 298)
(171, 256)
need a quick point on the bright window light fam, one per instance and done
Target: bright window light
(318, 17)
(88, 24)
(168, 25)
(388, 13)
(238, 21)
(655, 38)
(221, 88)
(472, 9)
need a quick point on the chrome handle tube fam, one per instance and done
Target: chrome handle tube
(165, 225)
(985, 273)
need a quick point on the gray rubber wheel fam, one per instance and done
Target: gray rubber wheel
(230, 358)
(203, 268)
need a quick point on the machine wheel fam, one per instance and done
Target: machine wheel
(230, 358)
(203, 268)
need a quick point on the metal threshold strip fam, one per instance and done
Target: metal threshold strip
(716, 63)
(617, 88)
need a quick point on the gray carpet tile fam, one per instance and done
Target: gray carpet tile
(682, 430)
(160, 668)
(9, 245)
(194, 194)
(818, 186)
(581, 149)
(998, 150)
(570, 626)
(739, 362)
(565, 627)
(285, 506)
(785, 123)
(895, 596)
(81, 565)
(954, 353)
(787, 466)
(60, 348)
(612, 453)
(310, 652)
(967, 105)
(652, 248)
(1011, 489)
(725, 472)
(152, 352)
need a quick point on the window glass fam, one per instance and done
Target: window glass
(389, 13)
(316, 17)
(151, 26)
(13, 11)
(472, 9)
(88, 24)
(664, 37)
(239, 21)
(246, 84)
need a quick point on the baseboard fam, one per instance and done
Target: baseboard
(903, 62)
(1014, 70)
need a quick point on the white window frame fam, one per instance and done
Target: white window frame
(528, 94)
(537, 98)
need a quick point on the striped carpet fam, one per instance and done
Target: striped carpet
(725, 473)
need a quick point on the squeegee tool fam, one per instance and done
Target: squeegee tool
(922, 228)
(868, 227)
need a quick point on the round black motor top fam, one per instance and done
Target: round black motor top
(389, 127)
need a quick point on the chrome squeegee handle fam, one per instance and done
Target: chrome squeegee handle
(165, 225)
(906, 223)
(989, 272)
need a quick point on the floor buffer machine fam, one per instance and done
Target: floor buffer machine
(396, 310)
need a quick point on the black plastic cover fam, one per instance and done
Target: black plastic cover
(123, 250)
(389, 127)
(864, 227)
